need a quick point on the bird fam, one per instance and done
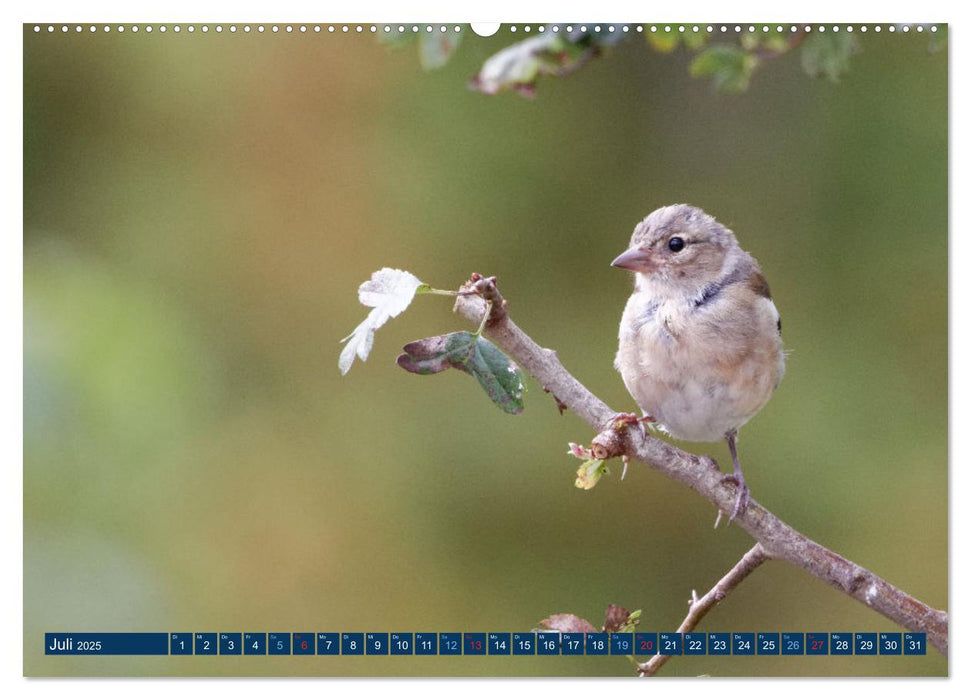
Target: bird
(700, 340)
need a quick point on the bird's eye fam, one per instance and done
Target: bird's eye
(675, 243)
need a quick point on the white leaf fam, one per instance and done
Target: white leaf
(389, 292)
(518, 64)
(360, 344)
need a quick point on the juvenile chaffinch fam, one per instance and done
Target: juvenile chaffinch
(700, 339)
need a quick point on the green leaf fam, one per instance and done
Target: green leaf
(496, 373)
(589, 473)
(777, 42)
(750, 41)
(828, 53)
(667, 41)
(436, 47)
(664, 42)
(633, 620)
(729, 67)
(695, 40)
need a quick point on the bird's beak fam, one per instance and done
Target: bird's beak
(634, 259)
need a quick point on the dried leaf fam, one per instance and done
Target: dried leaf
(560, 406)
(389, 292)
(615, 618)
(567, 622)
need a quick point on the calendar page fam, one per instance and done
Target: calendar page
(683, 288)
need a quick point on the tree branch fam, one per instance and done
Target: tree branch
(699, 607)
(777, 539)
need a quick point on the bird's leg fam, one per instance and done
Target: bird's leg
(742, 500)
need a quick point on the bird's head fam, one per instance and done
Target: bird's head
(678, 246)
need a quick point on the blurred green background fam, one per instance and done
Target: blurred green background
(199, 211)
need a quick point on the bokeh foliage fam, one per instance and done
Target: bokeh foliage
(199, 211)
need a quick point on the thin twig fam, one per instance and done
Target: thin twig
(699, 607)
(485, 317)
(779, 540)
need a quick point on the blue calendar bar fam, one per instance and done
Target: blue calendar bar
(254, 643)
(645, 643)
(279, 644)
(377, 643)
(352, 644)
(524, 643)
(207, 643)
(621, 643)
(328, 643)
(840, 643)
(500, 643)
(474, 643)
(230, 643)
(597, 644)
(865, 643)
(548, 643)
(535, 643)
(450, 643)
(891, 643)
(571, 644)
(695, 644)
(180, 643)
(402, 643)
(817, 643)
(719, 643)
(106, 643)
(669, 643)
(767, 644)
(915, 643)
(303, 644)
(743, 643)
(793, 643)
(426, 644)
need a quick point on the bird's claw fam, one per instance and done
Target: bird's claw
(741, 502)
(742, 498)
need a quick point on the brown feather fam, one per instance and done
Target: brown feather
(758, 285)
